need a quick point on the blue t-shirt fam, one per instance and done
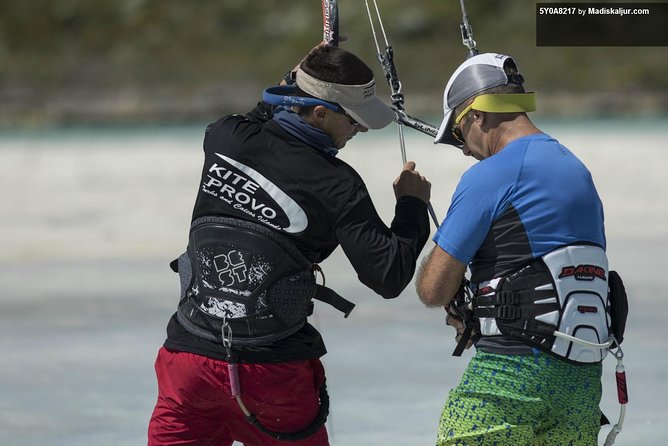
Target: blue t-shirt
(525, 201)
(519, 204)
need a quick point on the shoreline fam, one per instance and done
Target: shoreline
(24, 108)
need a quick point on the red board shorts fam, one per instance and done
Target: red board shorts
(196, 407)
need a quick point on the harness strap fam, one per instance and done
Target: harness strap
(514, 304)
(331, 297)
(318, 421)
(524, 296)
(466, 336)
(311, 429)
(511, 312)
(323, 294)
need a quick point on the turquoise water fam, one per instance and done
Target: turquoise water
(654, 124)
(92, 216)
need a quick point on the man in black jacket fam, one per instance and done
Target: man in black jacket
(240, 361)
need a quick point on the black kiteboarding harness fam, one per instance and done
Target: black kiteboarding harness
(566, 303)
(244, 284)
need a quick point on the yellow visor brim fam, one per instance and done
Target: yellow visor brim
(501, 103)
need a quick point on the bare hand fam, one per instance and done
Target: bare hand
(459, 326)
(410, 182)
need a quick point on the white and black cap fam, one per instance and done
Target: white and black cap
(476, 74)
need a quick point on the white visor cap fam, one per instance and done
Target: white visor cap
(476, 74)
(359, 101)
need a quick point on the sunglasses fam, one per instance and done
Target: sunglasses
(344, 113)
(456, 131)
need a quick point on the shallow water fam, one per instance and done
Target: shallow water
(91, 218)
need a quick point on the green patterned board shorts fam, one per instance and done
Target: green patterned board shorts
(523, 400)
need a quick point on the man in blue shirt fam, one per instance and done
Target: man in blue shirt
(528, 197)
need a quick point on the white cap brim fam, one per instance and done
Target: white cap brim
(444, 135)
(359, 101)
(372, 115)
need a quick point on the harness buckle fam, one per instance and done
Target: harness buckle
(506, 297)
(507, 312)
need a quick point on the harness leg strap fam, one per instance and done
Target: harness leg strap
(318, 421)
(466, 336)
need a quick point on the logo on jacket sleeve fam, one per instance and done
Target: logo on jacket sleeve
(253, 194)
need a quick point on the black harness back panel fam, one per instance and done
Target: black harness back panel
(249, 277)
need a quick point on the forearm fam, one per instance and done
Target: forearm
(439, 278)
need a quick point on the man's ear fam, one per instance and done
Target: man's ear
(319, 111)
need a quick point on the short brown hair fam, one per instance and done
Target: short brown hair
(333, 64)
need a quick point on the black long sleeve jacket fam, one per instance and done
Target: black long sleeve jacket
(254, 170)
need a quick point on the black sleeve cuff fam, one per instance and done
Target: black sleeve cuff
(411, 220)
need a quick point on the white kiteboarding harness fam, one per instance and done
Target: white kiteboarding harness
(566, 303)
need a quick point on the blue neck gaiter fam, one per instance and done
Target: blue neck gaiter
(292, 123)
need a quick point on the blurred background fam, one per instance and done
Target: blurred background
(133, 61)
(103, 107)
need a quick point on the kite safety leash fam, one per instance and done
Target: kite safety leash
(620, 378)
(386, 59)
(622, 395)
(235, 387)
